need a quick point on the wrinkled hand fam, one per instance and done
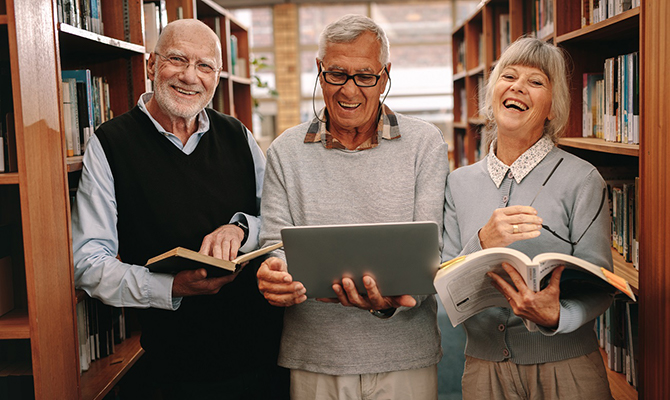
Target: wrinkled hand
(541, 307)
(195, 282)
(223, 243)
(348, 296)
(277, 284)
(500, 231)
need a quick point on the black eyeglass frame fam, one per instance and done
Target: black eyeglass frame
(353, 77)
(602, 201)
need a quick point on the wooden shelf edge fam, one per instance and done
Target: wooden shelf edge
(620, 388)
(209, 8)
(601, 145)
(82, 33)
(15, 325)
(9, 178)
(3, 19)
(585, 32)
(75, 163)
(240, 80)
(459, 75)
(103, 374)
(460, 125)
(476, 70)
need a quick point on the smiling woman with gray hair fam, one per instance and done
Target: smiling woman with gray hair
(497, 202)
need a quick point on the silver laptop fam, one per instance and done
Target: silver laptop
(402, 257)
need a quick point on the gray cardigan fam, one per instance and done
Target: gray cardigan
(567, 204)
(399, 180)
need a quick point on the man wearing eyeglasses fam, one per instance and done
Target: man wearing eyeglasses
(356, 162)
(172, 173)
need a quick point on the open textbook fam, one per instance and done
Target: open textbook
(180, 258)
(464, 288)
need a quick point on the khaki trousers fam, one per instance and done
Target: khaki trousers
(581, 377)
(413, 384)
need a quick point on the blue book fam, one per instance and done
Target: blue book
(83, 78)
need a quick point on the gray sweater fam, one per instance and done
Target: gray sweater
(399, 180)
(567, 204)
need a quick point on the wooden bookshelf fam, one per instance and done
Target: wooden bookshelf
(621, 389)
(15, 325)
(103, 374)
(39, 48)
(9, 178)
(642, 29)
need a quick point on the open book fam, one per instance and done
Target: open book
(465, 290)
(180, 258)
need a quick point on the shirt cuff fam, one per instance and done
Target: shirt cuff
(253, 223)
(160, 292)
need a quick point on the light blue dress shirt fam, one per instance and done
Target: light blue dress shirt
(94, 233)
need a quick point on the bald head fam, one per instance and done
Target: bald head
(190, 30)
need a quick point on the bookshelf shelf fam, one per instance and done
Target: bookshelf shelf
(3, 19)
(15, 325)
(601, 145)
(9, 178)
(460, 75)
(103, 374)
(620, 388)
(621, 26)
(479, 69)
(77, 42)
(75, 163)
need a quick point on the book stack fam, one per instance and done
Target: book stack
(594, 11)
(82, 14)
(86, 105)
(100, 327)
(611, 100)
(617, 332)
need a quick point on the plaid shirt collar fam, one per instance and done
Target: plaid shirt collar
(386, 129)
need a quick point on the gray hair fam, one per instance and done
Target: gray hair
(349, 28)
(551, 60)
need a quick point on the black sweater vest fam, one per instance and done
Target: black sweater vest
(165, 199)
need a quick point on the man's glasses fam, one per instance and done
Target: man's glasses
(361, 80)
(182, 63)
(602, 201)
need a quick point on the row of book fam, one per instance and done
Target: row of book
(594, 11)
(83, 14)
(611, 100)
(16, 374)
(100, 327)
(624, 200)
(86, 105)
(155, 19)
(617, 332)
(542, 18)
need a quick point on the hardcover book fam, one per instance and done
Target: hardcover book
(180, 258)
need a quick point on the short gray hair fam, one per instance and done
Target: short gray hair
(347, 29)
(551, 60)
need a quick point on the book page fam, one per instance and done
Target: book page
(464, 288)
(549, 261)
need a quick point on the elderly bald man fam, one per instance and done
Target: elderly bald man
(170, 173)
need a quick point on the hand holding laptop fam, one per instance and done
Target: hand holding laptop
(355, 265)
